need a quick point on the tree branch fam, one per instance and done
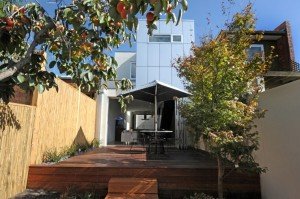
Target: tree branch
(13, 67)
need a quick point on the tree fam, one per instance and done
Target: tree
(223, 106)
(78, 36)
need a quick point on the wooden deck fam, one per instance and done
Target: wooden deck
(178, 173)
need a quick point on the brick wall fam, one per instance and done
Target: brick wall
(285, 45)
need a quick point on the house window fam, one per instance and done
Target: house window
(133, 70)
(177, 38)
(255, 50)
(160, 38)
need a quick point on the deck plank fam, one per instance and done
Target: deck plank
(177, 173)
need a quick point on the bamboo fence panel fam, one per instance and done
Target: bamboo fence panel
(15, 147)
(62, 118)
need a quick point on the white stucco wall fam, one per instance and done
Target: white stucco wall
(124, 59)
(279, 142)
(154, 60)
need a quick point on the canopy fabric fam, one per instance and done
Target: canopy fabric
(164, 92)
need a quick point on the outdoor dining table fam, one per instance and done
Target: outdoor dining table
(156, 136)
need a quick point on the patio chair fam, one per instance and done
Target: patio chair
(157, 143)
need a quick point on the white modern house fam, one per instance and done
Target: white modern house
(152, 61)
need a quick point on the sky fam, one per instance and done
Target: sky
(269, 14)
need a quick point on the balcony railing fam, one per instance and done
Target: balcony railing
(292, 66)
(295, 66)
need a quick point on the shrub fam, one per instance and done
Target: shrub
(95, 143)
(51, 156)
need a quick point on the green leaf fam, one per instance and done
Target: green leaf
(168, 18)
(31, 82)
(158, 8)
(113, 13)
(114, 62)
(86, 2)
(184, 4)
(52, 64)
(173, 17)
(90, 76)
(179, 17)
(138, 2)
(67, 12)
(40, 88)
(21, 78)
(2, 14)
(153, 26)
(130, 25)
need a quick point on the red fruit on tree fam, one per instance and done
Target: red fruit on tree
(84, 35)
(150, 16)
(118, 24)
(169, 8)
(124, 14)
(9, 22)
(121, 7)
(22, 10)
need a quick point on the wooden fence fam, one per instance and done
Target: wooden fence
(56, 120)
(15, 147)
(62, 118)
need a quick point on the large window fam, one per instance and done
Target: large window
(160, 38)
(255, 50)
(133, 70)
(165, 38)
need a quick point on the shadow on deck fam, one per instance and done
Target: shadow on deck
(178, 173)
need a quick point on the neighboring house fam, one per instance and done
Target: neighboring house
(152, 60)
(279, 129)
(284, 68)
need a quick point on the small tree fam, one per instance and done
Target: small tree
(222, 80)
(78, 37)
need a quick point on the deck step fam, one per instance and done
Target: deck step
(133, 188)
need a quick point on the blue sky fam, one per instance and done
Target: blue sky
(269, 14)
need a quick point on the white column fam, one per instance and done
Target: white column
(128, 120)
(102, 118)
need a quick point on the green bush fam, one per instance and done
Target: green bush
(95, 143)
(53, 155)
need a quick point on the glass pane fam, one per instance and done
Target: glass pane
(160, 38)
(254, 51)
(176, 38)
(133, 71)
